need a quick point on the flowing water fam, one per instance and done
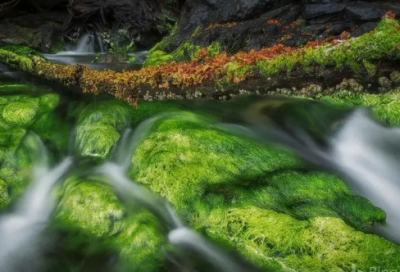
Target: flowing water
(362, 151)
(22, 229)
(87, 50)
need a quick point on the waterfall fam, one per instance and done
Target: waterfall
(86, 44)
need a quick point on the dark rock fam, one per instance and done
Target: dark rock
(361, 10)
(43, 38)
(364, 28)
(337, 29)
(316, 10)
(264, 23)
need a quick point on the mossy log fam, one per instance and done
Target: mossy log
(295, 70)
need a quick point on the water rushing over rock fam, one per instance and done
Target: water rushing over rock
(365, 153)
(368, 155)
(22, 230)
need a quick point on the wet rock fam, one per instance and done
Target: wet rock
(245, 25)
(46, 38)
(361, 10)
(316, 10)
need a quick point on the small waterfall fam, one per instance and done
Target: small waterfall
(368, 154)
(100, 44)
(364, 153)
(86, 44)
(21, 231)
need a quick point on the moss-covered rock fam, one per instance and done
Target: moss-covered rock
(48, 102)
(94, 209)
(99, 125)
(381, 43)
(318, 244)
(20, 114)
(233, 189)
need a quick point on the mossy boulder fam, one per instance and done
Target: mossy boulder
(48, 102)
(95, 140)
(93, 208)
(245, 195)
(20, 114)
(99, 126)
(318, 244)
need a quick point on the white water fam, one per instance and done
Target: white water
(368, 155)
(21, 231)
(187, 239)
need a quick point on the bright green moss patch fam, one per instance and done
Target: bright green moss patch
(184, 53)
(20, 114)
(95, 140)
(91, 206)
(48, 102)
(307, 195)
(99, 126)
(157, 57)
(376, 45)
(94, 209)
(386, 107)
(318, 244)
(184, 157)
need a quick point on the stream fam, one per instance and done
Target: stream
(346, 142)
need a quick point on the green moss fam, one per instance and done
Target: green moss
(53, 130)
(235, 69)
(366, 48)
(95, 140)
(113, 112)
(318, 244)
(184, 158)
(48, 102)
(307, 195)
(386, 107)
(20, 50)
(91, 206)
(232, 189)
(20, 114)
(95, 210)
(157, 57)
(371, 69)
(184, 53)
(4, 195)
(99, 126)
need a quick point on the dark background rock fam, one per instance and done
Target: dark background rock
(234, 24)
(203, 22)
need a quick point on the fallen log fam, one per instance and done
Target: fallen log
(358, 64)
